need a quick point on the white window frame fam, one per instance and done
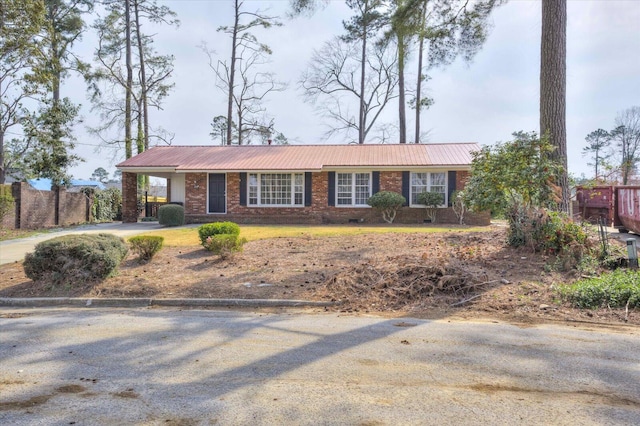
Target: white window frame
(295, 189)
(428, 186)
(353, 188)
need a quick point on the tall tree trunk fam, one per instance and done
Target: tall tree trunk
(143, 180)
(553, 67)
(419, 82)
(363, 65)
(143, 78)
(232, 74)
(240, 128)
(2, 170)
(402, 114)
(129, 88)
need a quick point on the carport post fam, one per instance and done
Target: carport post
(129, 197)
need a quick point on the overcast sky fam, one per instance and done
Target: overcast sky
(484, 101)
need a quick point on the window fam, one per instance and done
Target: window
(353, 189)
(427, 182)
(276, 189)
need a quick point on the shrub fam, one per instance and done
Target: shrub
(614, 289)
(146, 246)
(107, 205)
(388, 203)
(218, 228)
(171, 215)
(224, 245)
(431, 201)
(6, 201)
(74, 259)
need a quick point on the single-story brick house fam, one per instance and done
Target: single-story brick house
(300, 183)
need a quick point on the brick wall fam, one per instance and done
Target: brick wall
(74, 208)
(318, 212)
(129, 197)
(37, 209)
(196, 193)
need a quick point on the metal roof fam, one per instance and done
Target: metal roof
(300, 157)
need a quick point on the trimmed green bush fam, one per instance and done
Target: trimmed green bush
(171, 215)
(217, 228)
(224, 245)
(75, 259)
(615, 289)
(431, 201)
(388, 203)
(146, 246)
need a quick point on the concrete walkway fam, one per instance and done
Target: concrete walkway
(14, 250)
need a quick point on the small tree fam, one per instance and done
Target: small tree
(100, 174)
(458, 205)
(514, 179)
(431, 201)
(388, 203)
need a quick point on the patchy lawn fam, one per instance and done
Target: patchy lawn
(459, 272)
(12, 234)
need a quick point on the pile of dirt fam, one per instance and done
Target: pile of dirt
(406, 283)
(431, 275)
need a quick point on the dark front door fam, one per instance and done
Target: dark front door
(217, 193)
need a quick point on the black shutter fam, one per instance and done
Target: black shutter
(243, 189)
(375, 184)
(451, 180)
(406, 187)
(332, 188)
(307, 189)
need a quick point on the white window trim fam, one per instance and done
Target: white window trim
(353, 189)
(293, 192)
(446, 188)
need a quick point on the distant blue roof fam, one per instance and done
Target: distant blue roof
(44, 184)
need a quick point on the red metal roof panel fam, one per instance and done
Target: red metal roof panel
(301, 157)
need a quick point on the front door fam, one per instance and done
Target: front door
(217, 193)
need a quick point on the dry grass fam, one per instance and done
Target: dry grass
(188, 236)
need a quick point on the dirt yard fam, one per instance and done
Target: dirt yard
(469, 275)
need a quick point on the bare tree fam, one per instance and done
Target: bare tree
(553, 88)
(626, 135)
(365, 24)
(161, 66)
(332, 83)
(252, 86)
(123, 89)
(248, 57)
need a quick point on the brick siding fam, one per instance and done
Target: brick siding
(318, 212)
(196, 193)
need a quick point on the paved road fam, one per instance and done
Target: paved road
(170, 367)
(13, 250)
